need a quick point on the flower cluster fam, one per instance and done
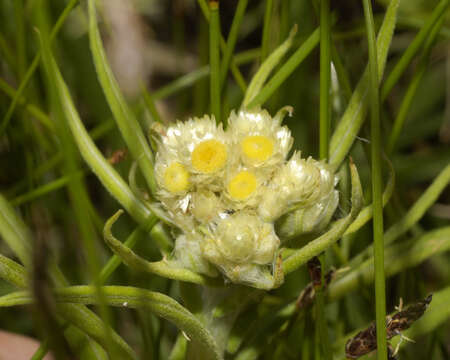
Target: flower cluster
(225, 190)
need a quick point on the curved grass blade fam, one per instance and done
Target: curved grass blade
(412, 87)
(367, 212)
(129, 297)
(413, 48)
(12, 272)
(125, 119)
(232, 38)
(286, 69)
(398, 258)
(16, 232)
(109, 177)
(413, 215)
(353, 117)
(265, 69)
(162, 268)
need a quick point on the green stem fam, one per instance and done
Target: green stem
(322, 338)
(149, 100)
(126, 121)
(198, 74)
(130, 297)
(286, 70)
(325, 75)
(232, 38)
(41, 351)
(380, 291)
(33, 110)
(412, 88)
(413, 215)
(399, 257)
(34, 64)
(214, 59)
(265, 42)
(163, 267)
(223, 46)
(412, 49)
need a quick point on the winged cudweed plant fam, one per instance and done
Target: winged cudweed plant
(229, 201)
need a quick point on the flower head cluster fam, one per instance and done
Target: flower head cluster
(225, 189)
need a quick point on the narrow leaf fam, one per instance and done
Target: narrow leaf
(266, 68)
(126, 121)
(353, 117)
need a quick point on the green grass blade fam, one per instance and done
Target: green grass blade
(41, 351)
(149, 100)
(214, 60)
(44, 189)
(258, 80)
(223, 46)
(14, 232)
(353, 117)
(199, 74)
(34, 64)
(231, 41)
(265, 42)
(13, 272)
(77, 192)
(413, 48)
(414, 214)
(325, 79)
(322, 339)
(126, 121)
(376, 171)
(128, 297)
(412, 88)
(285, 70)
(33, 110)
(398, 258)
(109, 177)
(367, 212)
(162, 268)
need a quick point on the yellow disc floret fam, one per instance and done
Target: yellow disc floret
(176, 178)
(209, 156)
(242, 185)
(257, 148)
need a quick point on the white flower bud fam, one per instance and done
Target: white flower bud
(300, 183)
(242, 238)
(188, 254)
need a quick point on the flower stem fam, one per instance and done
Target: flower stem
(380, 292)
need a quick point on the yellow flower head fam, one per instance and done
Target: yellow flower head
(259, 139)
(171, 175)
(209, 156)
(242, 186)
(199, 143)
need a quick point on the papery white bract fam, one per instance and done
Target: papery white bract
(299, 182)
